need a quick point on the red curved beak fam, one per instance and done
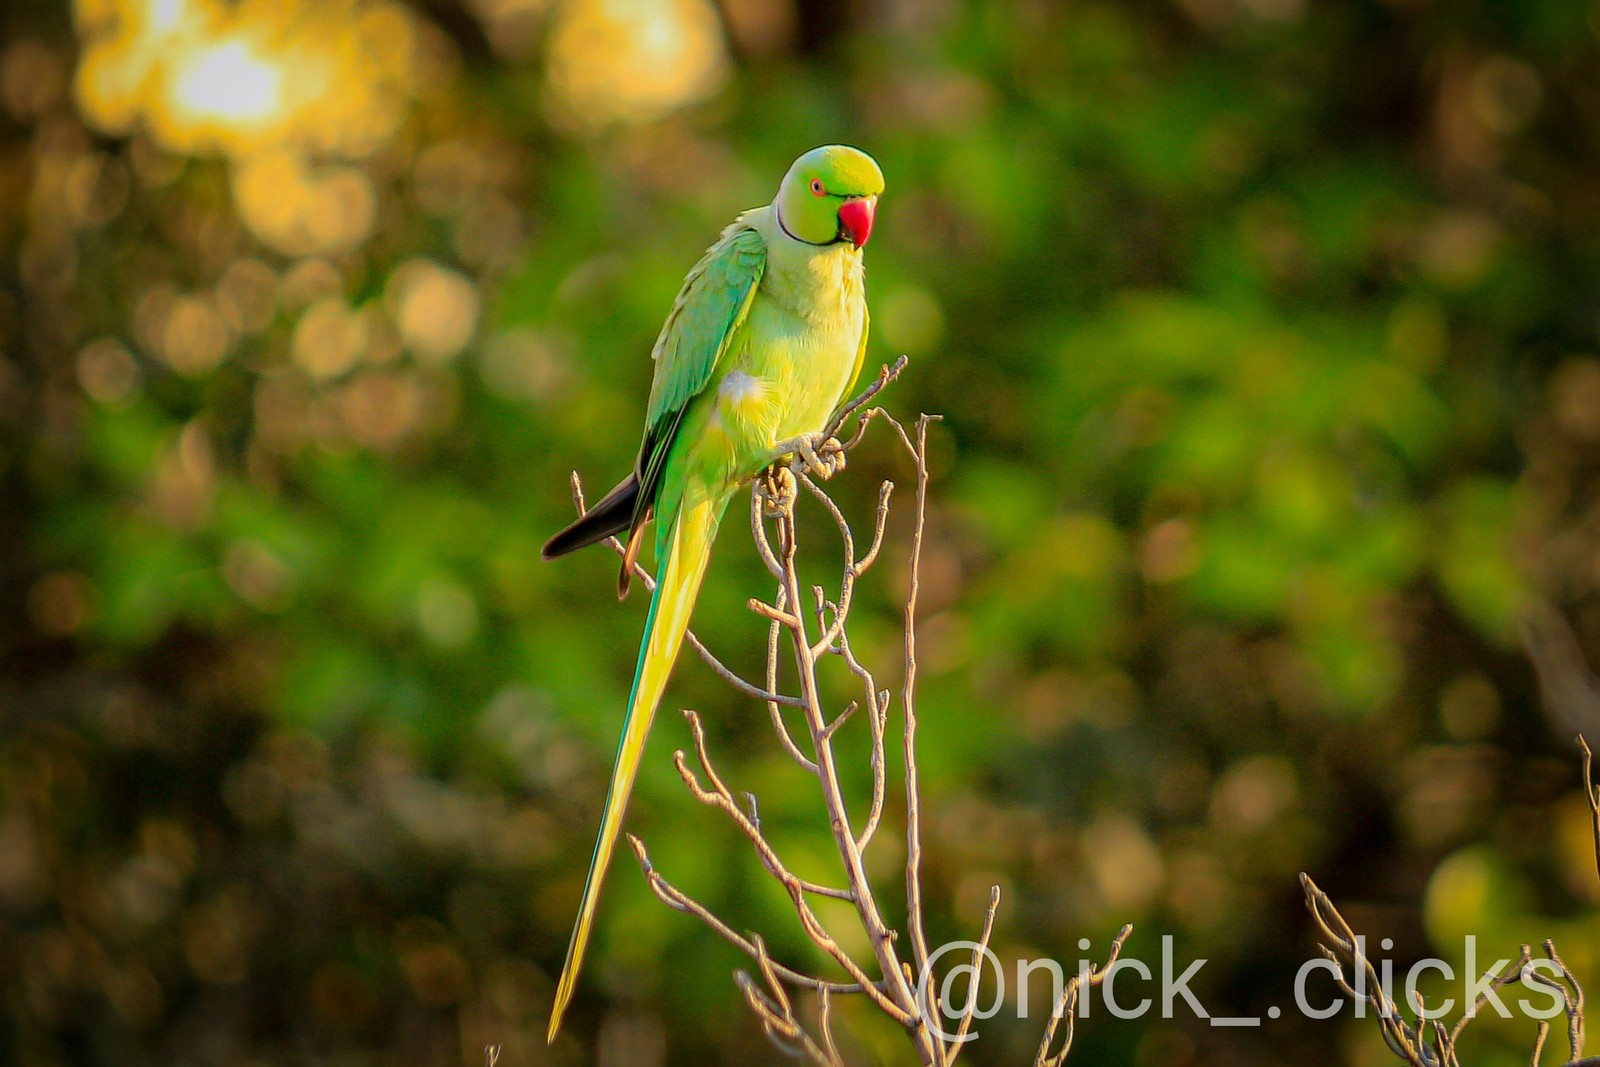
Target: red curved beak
(856, 218)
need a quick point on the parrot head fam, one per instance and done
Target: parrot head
(830, 196)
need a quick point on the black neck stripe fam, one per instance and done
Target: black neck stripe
(778, 211)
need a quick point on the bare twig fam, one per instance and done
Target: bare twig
(1572, 1001)
(885, 376)
(825, 1024)
(1067, 1006)
(718, 796)
(919, 937)
(1591, 793)
(678, 900)
(774, 633)
(979, 951)
(777, 615)
(776, 1011)
(1340, 943)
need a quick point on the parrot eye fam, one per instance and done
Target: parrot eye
(816, 187)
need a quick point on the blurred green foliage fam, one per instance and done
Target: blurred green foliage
(1266, 335)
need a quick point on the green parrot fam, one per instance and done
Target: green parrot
(766, 338)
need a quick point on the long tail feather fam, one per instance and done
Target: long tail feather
(611, 514)
(681, 569)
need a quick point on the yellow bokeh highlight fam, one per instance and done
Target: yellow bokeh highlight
(230, 84)
(205, 76)
(293, 92)
(329, 339)
(613, 61)
(300, 207)
(435, 308)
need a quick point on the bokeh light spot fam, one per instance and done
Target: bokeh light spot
(631, 60)
(435, 308)
(329, 338)
(108, 373)
(228, 83)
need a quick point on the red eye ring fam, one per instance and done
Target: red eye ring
(816, 187)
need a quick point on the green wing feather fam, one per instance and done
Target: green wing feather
(703, 325)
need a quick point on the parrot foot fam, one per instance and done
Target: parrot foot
(777, 489)
(823, 457)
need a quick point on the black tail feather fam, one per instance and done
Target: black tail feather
(611, 515)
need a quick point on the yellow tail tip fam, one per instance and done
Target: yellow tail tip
(558, 1010)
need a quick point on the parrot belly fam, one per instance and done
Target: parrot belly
(786, 379)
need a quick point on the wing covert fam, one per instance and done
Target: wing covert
(704, 321)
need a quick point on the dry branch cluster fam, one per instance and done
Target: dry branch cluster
(1425, 1040)
(807, 625)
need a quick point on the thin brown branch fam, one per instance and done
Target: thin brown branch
(776, 1015)
(776, 1011)
(678, 900)
(1067, 1007)
(880, 523)
(719, 796)
(825, 1025)
(767, 497)
(781, 728)
(914, 922)
(878, 715)
(839, 720)
(1571, 993)
(829, 634)
(1591, 793)
(1429, 1043)
(979, 951)
(886, 375)
(777, 615)
(1343, 944)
